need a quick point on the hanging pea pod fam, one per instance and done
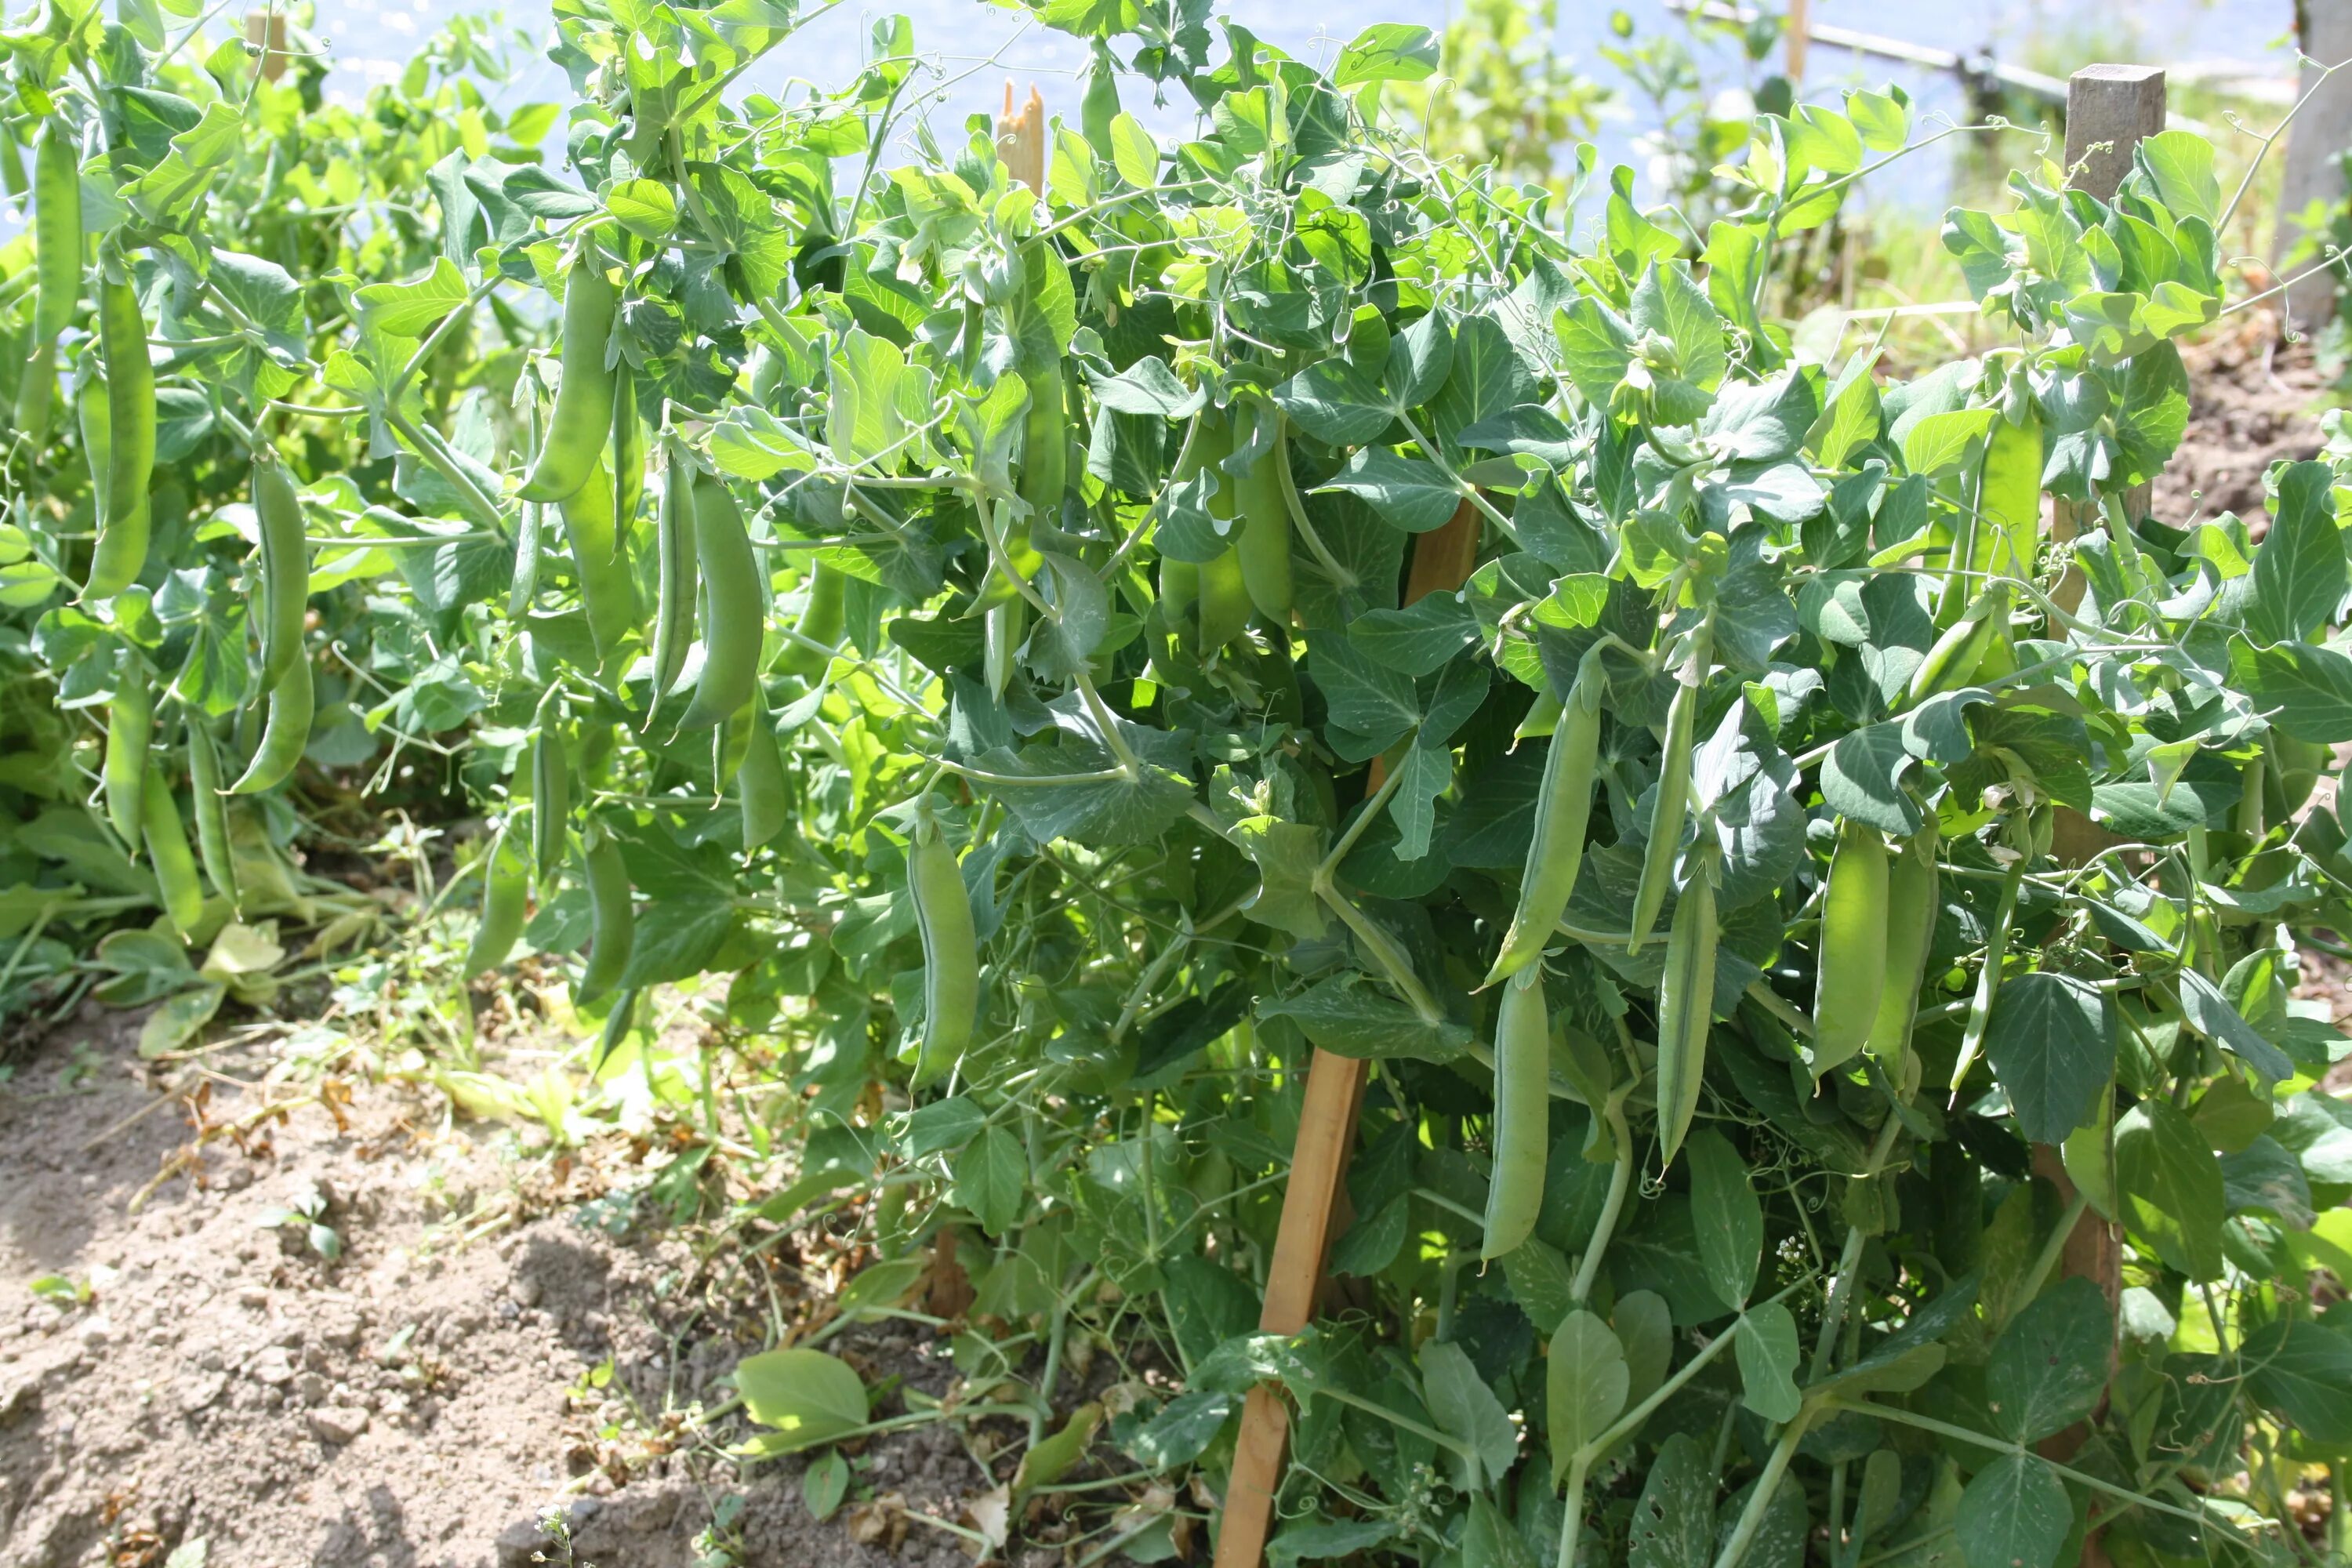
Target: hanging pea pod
(680, 574)
(600, 560)
(820, 623)
(37, 389)
(612, 918)
(759, 786)
(291, 707)
(627, 488)
(94, 418)
(167, 852)
(951, 952)
(550, 792)
(505, 890)
(1972, 1037)
(1952, 662)
(582, 418)
(1265, 543)
(734, 617)
(57, 231)
(122, 551)
(1673, 800)
(1522, 1113)
(1563, 812)
(1914, 896)
(1686, 1011)
(1850, 974)
(285, 566)
(129, 725)
(213, 841)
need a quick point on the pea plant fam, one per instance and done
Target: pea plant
(1821, 890)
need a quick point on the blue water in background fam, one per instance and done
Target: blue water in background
(985, 44)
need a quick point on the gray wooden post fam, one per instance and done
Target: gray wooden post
(2110, 110)
(2322, 128)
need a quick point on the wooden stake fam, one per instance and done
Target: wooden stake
(1798, 33)
(1314, 1203)
(266, 31)
(1021, 138)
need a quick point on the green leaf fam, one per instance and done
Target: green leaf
(1387, 51)
(1883, 118)
(2052, 1043)
(1182, 1430)
(2306, 690)
(1862, 778)
(411, 310)
(1149, 386)
(1133, 152)
(1327, 1539)
(2211, 1014)
(2014, 1514)
(1768, 1353)
(1728, 1214)
(2304, 1372)
(2181, 164)
(179, 1019)
(1673, 1521)
(1411, 494)
(1466, 1407)
(2299, 576)
(1541, 1283)
(2171, 1188)
(824, 1484)
(1347, 1015)
(2050, 1365)
(1419, 639)
(1490, 1539)
(1667, 301)
(808, 1396)
(1940, 440)
(991, 1180)
(646, 209)
(1585, 1384)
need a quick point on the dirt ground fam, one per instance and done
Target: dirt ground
(2251, 404)
(422, 1400)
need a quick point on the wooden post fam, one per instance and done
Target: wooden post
(266, 31)
(2322, 128)
(1021, 138)
(1798, 34)
(2110, 110)
(1315, 1198)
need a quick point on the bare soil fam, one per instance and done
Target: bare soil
(429, 1397)
(2252, 401)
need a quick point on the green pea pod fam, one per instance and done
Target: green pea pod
(821, 622)
(523, 586)
(1522, 1113)
(608, 587)
(94, 417)
(735, 616)
(57, 231)
(129, 725)
(122, 551)
(619, 1019)
(506, 887)
(1563, 811)
(760, 787)
(582, 417)
(1914, 896)
(1686, 1011)
(1850, 976)
(628, 478)
(1952, 662)
(1045, 442)
(285, 566)
(675, 540)
(1100, 107)
(1265, 543)
(1673, 790)
(291, 706)
(951, 952)
(37, 388)
(1972, 1036)
(1225, 600)
(1002, 628)
(213, 841)
(168, 855)
(550, 798)
(612, 920)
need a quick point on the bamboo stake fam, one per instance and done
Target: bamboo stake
(1314, 1203)
(1021, 138)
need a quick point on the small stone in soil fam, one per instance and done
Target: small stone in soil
(338, 1423)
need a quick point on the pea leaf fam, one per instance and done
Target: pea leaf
(2171, 1188)
(1729, 1216)
(2052, 1043)
(808, 1396)
(2014, 1514)
(2049, 1366)
(1585, 1382)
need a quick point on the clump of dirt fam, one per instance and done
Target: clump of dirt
(2252, 401)
(345, 1332)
